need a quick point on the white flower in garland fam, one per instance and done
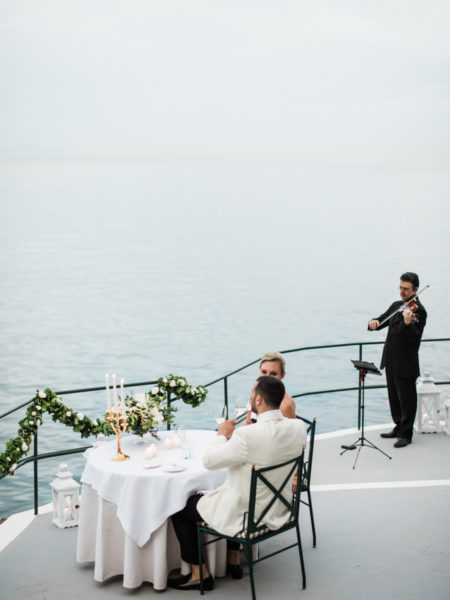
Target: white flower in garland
(155, 391)
(188, 390)
(38, 407)
(95, 423)
(31, 422)
(68, 413)
(42, 395)
(24, 447)
(38, 422)
(12, 468)
(33, 414)
(181, 382)
(80, 416)
(165, 380)
(172, 383)
(157, 415)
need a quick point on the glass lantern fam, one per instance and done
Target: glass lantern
(428, 417)
(65, 499)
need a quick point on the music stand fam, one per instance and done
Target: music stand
(363, 368)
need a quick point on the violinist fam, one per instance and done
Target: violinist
(406, 320)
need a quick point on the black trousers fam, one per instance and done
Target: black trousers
(185, 525)
(403, 403)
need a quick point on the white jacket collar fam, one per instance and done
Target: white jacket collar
(270, 415)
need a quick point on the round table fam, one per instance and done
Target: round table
(125, 508)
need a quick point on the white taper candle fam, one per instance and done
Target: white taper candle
(114, 392)
(108, 397)
(122, 397)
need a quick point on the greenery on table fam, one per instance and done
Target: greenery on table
(144, 416)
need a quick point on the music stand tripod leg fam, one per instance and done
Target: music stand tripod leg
(363, 369)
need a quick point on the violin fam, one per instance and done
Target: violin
(410, 304)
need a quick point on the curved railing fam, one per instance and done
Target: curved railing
(36, 457)
(358, 388)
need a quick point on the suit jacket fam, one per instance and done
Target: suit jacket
(401, 348)
(272, 440)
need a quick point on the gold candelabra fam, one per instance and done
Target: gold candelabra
(118, 424)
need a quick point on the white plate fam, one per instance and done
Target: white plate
(173, 468)
(152, 464)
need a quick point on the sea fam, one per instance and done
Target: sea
(197, 268)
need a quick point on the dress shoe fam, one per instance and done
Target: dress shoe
(208, 584)
(174, 581)
(389, 434)
(401, 442)
(235, 571)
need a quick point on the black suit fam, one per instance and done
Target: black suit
(401, 359)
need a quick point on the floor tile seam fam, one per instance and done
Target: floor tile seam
(370, 485)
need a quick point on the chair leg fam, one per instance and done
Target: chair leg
(248, 550)
(300, 551)
(200, 561)
(311, 514)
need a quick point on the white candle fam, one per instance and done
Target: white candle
(108, 398)
(122, 398)
(176, 442)
(150, 451)
(114, 392)
(168, 443)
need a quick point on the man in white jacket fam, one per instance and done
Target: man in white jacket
(272, 440)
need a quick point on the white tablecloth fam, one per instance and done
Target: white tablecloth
(124, 526)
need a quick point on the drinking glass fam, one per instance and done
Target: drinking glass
(240, 407)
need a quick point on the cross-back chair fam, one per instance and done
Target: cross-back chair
(305, 479)
(254, 530)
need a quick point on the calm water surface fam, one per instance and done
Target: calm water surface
(196, 269)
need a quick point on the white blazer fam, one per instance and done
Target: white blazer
(272, 440)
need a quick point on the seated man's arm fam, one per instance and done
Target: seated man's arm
(224, 453)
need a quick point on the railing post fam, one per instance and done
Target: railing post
(359, 388)
(168, 404)
(35, 470)
(225, 393)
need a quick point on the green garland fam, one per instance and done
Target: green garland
(143, 416)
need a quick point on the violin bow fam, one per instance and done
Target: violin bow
(402, 306)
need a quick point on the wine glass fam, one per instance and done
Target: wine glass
(219, 414)
(240, 407)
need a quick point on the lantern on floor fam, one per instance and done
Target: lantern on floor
(447, 417)
(65, 498)
(428, 406)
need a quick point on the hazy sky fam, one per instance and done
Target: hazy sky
(281, 80)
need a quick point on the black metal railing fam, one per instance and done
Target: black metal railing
(358, 388)
(36, 457)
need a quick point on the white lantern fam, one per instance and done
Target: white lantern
(447, 417)
(428, 406)
(65, 499)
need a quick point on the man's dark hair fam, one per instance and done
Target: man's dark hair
(271, 389)
(410, 278)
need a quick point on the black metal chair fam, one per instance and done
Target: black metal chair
(306, 474)
(253, 529)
